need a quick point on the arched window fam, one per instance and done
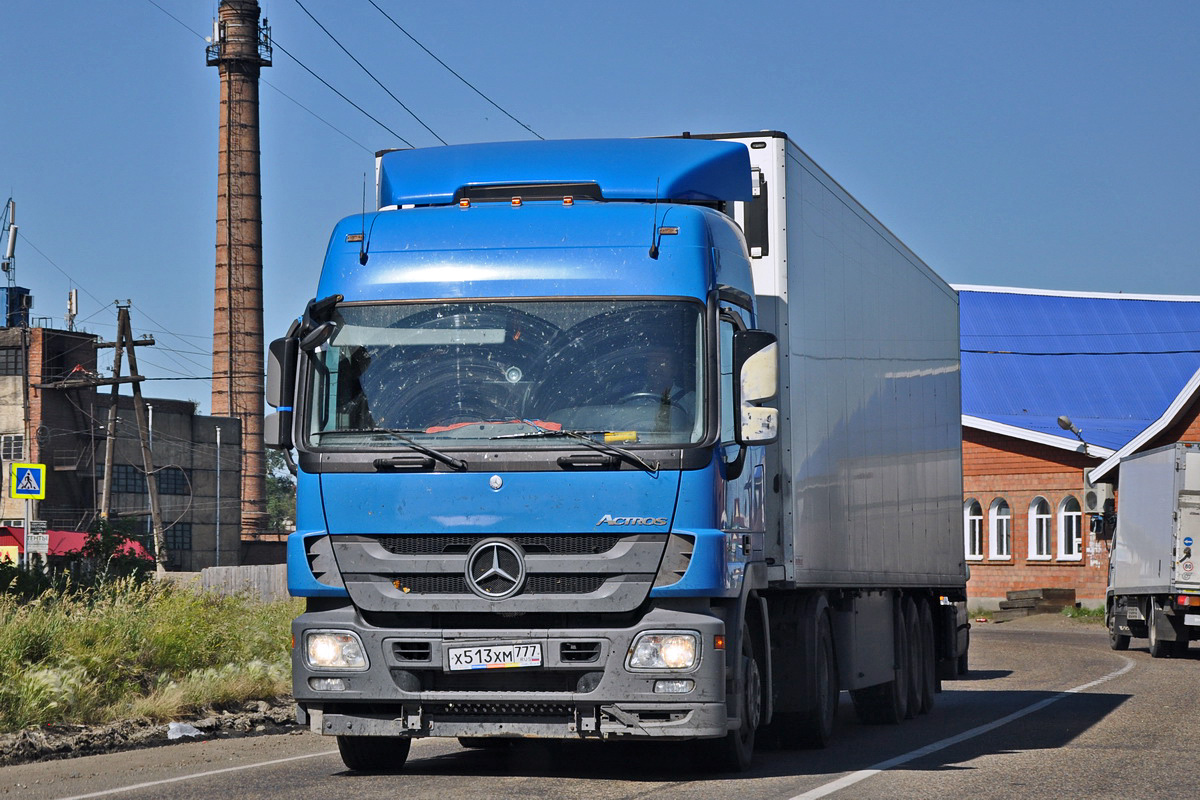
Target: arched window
(1000, 523)
(1070, 530)
(1041, 546)
(973, 529)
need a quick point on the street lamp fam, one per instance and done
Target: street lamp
(1065, 423)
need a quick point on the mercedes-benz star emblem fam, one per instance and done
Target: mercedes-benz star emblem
(496, 569)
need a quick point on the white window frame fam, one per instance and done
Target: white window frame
(1066, 521)
(1041, 530)
(973, 530)
(1000, 530)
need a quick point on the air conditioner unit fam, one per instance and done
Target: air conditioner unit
(1095, 495)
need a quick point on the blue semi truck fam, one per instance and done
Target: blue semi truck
(619, 439)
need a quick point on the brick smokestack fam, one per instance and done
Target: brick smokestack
(240, 48)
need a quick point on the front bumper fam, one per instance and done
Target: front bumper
(582, 689)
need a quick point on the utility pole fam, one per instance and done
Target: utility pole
(125, 342)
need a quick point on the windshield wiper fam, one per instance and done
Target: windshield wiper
(399, 433)
(586, 438)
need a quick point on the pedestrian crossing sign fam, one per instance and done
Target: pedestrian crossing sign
(27, 482)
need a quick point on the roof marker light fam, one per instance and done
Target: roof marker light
(568, 201)
(464, 202)
(516, 202)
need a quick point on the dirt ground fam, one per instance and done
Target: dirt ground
(68, 741)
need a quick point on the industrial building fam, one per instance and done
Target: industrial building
(56, 413)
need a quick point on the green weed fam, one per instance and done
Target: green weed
(136, 648)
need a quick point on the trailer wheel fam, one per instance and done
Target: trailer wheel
(1116, 641)
(915, 661)
(374, 753)
(887, 703)
(929, 678)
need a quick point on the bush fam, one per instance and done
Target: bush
(132, 647)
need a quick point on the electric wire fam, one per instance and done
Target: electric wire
(275, 44)
(452, 72)
(363, 67)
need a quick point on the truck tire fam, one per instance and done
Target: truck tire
(802, 648)
(929, 678)
(1159, 647)
(374, 753)
(814, 727)
(887, 703)
(1116, 640)
(735, 751)
(915, 665)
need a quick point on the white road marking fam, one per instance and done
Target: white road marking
(855, 777)
(179, 778)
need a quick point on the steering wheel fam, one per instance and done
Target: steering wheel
(654, 397)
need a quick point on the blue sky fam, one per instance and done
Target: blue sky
(1043, 144)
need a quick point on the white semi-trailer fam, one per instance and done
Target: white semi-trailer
(613, 439)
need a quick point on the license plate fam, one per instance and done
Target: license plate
(494, 656)
(1191, 619)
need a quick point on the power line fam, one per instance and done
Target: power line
(452, 72)
(363, 67)
(275, 43)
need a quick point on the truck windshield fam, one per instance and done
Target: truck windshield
(508, 373)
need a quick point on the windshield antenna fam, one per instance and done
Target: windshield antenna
(654, 226)
(362, 241)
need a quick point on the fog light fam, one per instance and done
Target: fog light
(327, 684)
(664, 651)
(673, 687)
(334, 650)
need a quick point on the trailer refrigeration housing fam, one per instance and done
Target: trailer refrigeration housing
(620, 439)
(1154, 588)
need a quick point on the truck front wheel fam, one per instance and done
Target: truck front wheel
(1116, 640)
(735, 752)
(374, 753)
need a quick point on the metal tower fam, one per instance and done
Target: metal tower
(240, 48)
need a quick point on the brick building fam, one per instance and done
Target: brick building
(52, 413)
(1125, 370)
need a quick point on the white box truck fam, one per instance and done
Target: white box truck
(1153, 581)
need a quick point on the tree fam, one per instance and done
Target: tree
(281, 493)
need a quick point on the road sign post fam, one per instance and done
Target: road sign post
(28, 482)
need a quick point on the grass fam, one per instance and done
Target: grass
(137, 649)
(1084, 614)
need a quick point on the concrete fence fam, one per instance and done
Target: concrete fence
(265, 581)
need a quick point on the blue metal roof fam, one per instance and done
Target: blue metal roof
(624, 169)
(1112, 364)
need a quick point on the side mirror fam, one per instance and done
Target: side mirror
(282, 356)
(756, 381)
(277, 430)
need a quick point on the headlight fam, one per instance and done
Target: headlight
(334, 650)
(664, 651)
